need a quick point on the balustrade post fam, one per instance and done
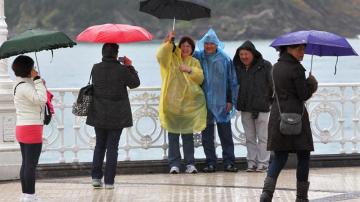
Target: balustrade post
(9, 149)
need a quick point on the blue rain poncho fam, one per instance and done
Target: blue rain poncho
(182, 106)
(220, 82)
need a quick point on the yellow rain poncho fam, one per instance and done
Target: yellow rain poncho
(182, 103)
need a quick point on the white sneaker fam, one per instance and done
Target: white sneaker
(109, 186)
(174, 170)
(96, 183)
(191, 169)
(30, 198)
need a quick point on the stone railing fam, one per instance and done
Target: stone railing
(334, 114)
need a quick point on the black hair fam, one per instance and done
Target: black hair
(189, 40)
(22, 66)
(110, 50)
(283, 49)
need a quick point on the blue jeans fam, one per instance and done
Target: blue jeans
(279, 161)
(174, 149)
(226, 139)
(107, 140)
(30, 157)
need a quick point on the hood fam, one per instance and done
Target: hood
(247, 45)
(209, 37)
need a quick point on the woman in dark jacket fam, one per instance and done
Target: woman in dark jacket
(110, 110)
(292, 89)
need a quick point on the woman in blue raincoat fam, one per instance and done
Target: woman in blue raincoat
(220, 87)
(182, 107)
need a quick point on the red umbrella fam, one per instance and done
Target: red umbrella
(114, 33)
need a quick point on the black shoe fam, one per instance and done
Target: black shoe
(209, 169)
(231, 168)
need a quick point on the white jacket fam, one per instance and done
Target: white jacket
(30, 98)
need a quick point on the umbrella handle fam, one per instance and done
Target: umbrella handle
(173, 43)
(312, 56)
(174, 24)
(37, 64)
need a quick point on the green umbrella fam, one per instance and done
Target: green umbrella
(35, 40)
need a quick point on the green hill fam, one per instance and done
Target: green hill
(232, 19)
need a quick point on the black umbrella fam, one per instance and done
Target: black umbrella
(175, 9)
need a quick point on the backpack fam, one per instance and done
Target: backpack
(48, 114)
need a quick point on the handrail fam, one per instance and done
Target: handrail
(333, 111)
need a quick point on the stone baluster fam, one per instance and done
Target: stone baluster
(9, 149)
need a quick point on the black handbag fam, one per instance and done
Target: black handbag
(47, 115)
(84, 99)
(290, 123)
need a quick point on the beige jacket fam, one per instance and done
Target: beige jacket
(29, 100)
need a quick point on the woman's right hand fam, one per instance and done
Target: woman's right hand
(169, 36)
(34, 73)
(311, 78)
(313, 82)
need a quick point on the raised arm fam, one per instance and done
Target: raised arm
(132, 79)
(304, 87)
(36, 95)
(165, 51)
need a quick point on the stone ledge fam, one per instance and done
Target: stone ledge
(161, 166)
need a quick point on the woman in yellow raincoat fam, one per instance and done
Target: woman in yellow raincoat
(182, 107)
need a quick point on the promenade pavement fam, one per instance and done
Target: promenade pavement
(326, 184)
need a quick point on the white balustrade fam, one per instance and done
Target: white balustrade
(333, 111)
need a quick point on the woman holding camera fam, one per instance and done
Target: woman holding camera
(110, 111)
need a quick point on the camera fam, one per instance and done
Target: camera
(121, 60)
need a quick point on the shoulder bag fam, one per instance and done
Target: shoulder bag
(290, 123)
(84, 99)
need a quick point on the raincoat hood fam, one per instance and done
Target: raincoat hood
(220, 83)
(247, 45)
(209, 37)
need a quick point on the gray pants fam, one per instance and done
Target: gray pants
(256, 132)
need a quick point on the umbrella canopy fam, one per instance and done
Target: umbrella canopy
(175, 9)
(35, 40)
(318, 43)
(169, 9)
(114, 33)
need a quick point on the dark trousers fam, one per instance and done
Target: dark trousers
(226, 139)
(107, 140)
(30, 157)
(279, 161)
(174, 149)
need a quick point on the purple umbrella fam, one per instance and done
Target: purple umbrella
(317, 43)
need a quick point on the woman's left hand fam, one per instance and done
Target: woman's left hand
(185, 68)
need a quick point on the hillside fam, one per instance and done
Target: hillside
(232, 19)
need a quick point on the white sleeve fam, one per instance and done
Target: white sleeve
(36, 95)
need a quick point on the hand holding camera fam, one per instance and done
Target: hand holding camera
(125, 61)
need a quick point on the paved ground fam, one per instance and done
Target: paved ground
(327, 184)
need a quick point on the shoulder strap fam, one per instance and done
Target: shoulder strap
(89, 82)
(276, 96)
(17, 86)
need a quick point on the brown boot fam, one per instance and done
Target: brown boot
(302, 189)
(268, 189)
